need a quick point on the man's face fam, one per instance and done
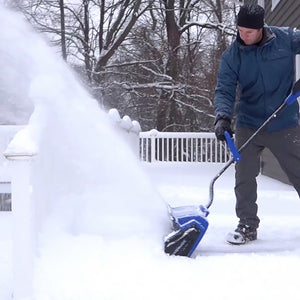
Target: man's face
(250, 36)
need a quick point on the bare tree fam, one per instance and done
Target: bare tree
(154, 60)
(165, 73)
(83, 36)
(127, 15)
(179, 20)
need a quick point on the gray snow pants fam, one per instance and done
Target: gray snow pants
(285, 145)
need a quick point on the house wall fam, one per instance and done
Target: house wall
(283, 13)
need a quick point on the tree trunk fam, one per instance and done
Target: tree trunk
(173, 35)
(86, 31)
(63, 29)
(165, 107)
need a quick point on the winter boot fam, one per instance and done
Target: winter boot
(242, 235)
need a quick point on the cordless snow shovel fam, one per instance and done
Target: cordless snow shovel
(190, 222)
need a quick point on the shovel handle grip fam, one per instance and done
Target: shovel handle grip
(230, 143)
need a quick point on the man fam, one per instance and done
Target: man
(258, 68)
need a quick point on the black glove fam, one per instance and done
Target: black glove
(222, 125)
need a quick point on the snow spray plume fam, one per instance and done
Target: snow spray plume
(85, 178)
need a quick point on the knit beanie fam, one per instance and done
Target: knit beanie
(251, 16)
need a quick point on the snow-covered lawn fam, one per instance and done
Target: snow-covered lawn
(93, 266)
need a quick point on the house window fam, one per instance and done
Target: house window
(274, 3)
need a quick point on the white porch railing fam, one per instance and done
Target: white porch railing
(192, 147)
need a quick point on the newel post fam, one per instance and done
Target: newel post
(153, 138)
(23, 242)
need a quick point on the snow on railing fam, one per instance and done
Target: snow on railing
(192, 147)
(128, 128)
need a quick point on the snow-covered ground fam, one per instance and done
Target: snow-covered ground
(100, 214)
(91, 266)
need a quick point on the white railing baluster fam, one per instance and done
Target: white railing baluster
(147, 148)
(167, 146)
(201, 150)
(172, 149)
(206, 150)
(177, 149)
(216, 151)
(142, 148)
(192, 150)
(181, 147)
(158, 152)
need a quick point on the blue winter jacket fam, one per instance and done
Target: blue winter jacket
(261, 76)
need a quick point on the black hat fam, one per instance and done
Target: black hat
(251, 16)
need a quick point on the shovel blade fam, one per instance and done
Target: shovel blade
(190, 225)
